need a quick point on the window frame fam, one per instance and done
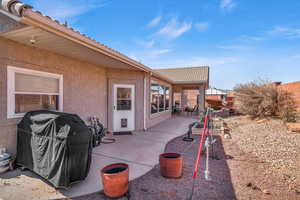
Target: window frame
(157, 96)
(169, 95)
(164, 86)
(11, 104)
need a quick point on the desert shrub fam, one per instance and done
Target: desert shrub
(257, 99)
(287, 109)
(263, 99)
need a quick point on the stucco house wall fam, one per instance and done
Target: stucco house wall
(136, 78)
(87, 88)
(80, 95)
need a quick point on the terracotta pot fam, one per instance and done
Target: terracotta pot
(115, 179)
(171, 165)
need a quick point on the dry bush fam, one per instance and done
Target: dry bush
(257, 99)
(264, 99)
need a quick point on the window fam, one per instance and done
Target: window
(160, 98)
(29, 90)
(154, 98)
(123, 98)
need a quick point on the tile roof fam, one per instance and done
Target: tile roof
(186, 74)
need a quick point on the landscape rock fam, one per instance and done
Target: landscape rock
(249, 184)
(261, 121)
(227, 136)
(272, 143)
(266, 192)
(294, 127)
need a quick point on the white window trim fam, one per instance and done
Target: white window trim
(11, 71)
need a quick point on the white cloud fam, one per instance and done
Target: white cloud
(288, 33)
(227, 5)
(280, 32)
(146, 44)
(247, 38)
(61, 10)
(202, 26)
(154, 22)
(174, 29)
(157, 52)
(147, 55)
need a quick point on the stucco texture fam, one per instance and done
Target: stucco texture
(136, 78)
(87, 88)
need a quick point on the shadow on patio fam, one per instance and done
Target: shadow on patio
(140, 151)
(153, 186)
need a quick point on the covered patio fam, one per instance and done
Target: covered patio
(188, 98)
(188, 88)
(140, 151)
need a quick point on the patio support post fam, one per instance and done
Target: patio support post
(201, 99)
(183, 99)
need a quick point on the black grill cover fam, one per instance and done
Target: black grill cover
(55, 145)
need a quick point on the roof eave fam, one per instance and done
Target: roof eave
(33, 18)
(190, 82)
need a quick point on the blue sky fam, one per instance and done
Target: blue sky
(241, 40)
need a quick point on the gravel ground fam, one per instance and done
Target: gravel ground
(271, 142)
(235, 175)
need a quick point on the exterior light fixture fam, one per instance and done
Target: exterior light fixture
(32, 40)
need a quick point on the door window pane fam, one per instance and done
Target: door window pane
(29, 102)
(123, 98)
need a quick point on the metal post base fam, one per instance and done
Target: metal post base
(188, 139)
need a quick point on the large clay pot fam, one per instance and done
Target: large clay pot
(115, 179)
(171, 165)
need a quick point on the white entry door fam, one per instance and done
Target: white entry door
(123, 114)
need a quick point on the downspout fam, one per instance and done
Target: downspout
(145, 101)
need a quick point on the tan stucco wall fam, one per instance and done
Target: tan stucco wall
(84, 84)
(136, 78)
(87, 88)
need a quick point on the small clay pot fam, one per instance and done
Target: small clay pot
(171, 165)
(115, 179)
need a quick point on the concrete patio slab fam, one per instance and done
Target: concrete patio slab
(140, 151)
(133, 149)
(93, 182)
